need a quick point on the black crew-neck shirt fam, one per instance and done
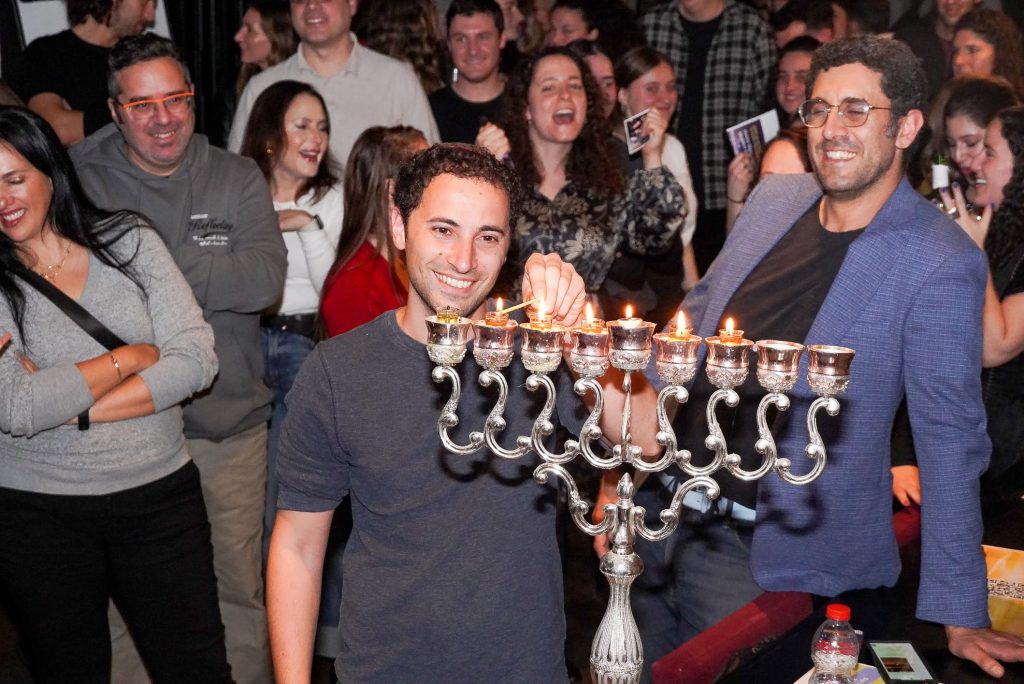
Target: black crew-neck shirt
(779, 300)
(459, 120)
(689, 129)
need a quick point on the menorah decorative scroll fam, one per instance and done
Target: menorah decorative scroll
(616, 655)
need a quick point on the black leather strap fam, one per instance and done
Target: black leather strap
(72, 309)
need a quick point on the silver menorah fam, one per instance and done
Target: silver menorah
(616, 655)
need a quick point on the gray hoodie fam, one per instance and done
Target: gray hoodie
(216, 217)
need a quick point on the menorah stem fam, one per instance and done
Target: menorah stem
(616, 655)
(627, 388)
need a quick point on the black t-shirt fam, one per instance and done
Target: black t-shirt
(68, 66)
(459, 120)
(779, 300)
(690, 127)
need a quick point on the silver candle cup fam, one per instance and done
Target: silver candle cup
(676, 359)
(447, 335)
(541, 346)
(631, 343)
(828, 368)
(588, 353)
(778, 364)
(495, 342)
(728, 361)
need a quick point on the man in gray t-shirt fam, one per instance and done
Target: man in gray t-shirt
(452, 571)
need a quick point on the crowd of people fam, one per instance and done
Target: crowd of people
(218, 429)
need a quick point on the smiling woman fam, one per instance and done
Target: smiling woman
(578, 204)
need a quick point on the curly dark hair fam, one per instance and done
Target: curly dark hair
(132, 50)
(999, 31)
(265, 139)
(590, 164)
(459, 160)
(406, 30)
(1007, 232)
(903, 79)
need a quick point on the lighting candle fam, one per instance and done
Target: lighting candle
(447, 334)
(728, 353)
(729, 335)
(540, 320)
(542, 342)
(589, 352)
(676, 361)
(631, 341)
(497, 317)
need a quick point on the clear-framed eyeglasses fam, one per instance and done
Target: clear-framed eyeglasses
(852, 112)
(175, 103)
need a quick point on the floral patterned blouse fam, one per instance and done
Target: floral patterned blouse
(588, 228)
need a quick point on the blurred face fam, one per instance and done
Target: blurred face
(132, 17)
(972, 54)
(322, 22)
(950, 11)
(513, 18)
(791, 87)
(252, 41)
(701, 10)
(851, 161)
(475, 46)
(25, 194)
(996, 167)
(840, 22)
(568, 25)
(603, 72)
(656, 89)
(158, 138)
(557, 102)
(965, 140)
(455, 243)
(306, 137)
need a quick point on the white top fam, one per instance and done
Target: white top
(370, 90)
(673, 158)
(310, 252)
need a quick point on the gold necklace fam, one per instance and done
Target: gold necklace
(53, 270)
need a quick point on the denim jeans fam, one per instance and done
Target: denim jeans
(691, 580)
(283, 355)
(63, 557)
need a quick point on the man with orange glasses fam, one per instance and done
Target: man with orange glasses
(213, 210)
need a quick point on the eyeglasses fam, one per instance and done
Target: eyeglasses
(178, 103)
(852, 112)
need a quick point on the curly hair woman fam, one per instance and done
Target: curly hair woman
(406, 30)
(999, 230)
(988, 42)
(578, 204)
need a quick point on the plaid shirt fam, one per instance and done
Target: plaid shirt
(736, 84)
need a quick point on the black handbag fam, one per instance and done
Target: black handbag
(73, 310)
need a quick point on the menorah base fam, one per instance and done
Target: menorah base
(616, 655)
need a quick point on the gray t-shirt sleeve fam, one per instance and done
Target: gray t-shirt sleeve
(312, 468)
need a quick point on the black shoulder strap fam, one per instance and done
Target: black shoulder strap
(85, 320)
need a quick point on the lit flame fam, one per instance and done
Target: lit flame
(589, 313)
(541, 310)
(729, 326)
(498, 304)
(680, 324)
(629, 311)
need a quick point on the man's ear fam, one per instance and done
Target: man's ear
(909, 127)
(114, 113)
(397, 228)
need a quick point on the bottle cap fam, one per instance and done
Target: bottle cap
(837, 611)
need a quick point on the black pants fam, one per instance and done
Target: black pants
(63, 557)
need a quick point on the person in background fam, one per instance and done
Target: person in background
(517, 41)
(578, 203)
(288, 138)
(931, 39)
(407, 30)
(264, 39)
(214, 212)
(988, 42)
(98, 496)
(571, 20)
(367, 277)
(865, 17)
(603, 72)
(65, 74)
(791, 79)
(361, 87)
(475, 40)
(647, 81)
(723, 56)
(814, 18)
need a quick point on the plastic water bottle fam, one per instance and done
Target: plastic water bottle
(835, 648)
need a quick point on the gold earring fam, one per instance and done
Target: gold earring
(270, 151)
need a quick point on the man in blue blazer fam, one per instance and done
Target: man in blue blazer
(900, 283)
